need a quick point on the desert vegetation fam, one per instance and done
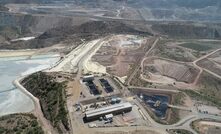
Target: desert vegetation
(209, 89)
(178, 99)
(137, 81)
(166, 50)
(188, 31)
(205, 126)
(195, 46)
(211, 63)
(52, 98)
(20, 124)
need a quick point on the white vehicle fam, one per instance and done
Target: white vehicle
(109, 116)
(92, 125)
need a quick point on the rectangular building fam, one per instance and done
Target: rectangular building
(88, 78)
(108, 88)
(113, 109)
(92, 87)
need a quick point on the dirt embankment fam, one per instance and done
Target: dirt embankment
(52, 97)
(154, 68)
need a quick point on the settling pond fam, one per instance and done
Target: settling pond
(158, 103)
(12, 100)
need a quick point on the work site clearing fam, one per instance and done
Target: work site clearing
(128, 82)
(98, 100)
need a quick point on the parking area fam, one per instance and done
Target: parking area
(206, 109)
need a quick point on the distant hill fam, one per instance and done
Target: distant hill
(188, 31)
(191, 10)
(93, 28)
(138, 3)
(3, 8)
(21, 1)
(174, 3)
(88, 31)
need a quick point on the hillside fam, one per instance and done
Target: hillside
(210, 87)
(3, 8)
(93, 28)
(52, 98)
(172, 10)
(191, 31)
(20, 123)
(23, 1)
(74, 34)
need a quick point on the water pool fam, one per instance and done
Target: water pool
(158, 103)
(12, 100)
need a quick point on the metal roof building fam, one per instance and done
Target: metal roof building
(88, 78)
(113, 109)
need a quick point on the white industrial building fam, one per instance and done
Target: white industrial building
(112, 109)
(88, 78)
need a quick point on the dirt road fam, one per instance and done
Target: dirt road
(86, 62)
(182, 84)
(72, 59)
(156, 89)
(138, 67)
(201, 69)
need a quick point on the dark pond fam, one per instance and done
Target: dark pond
(158, 103)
